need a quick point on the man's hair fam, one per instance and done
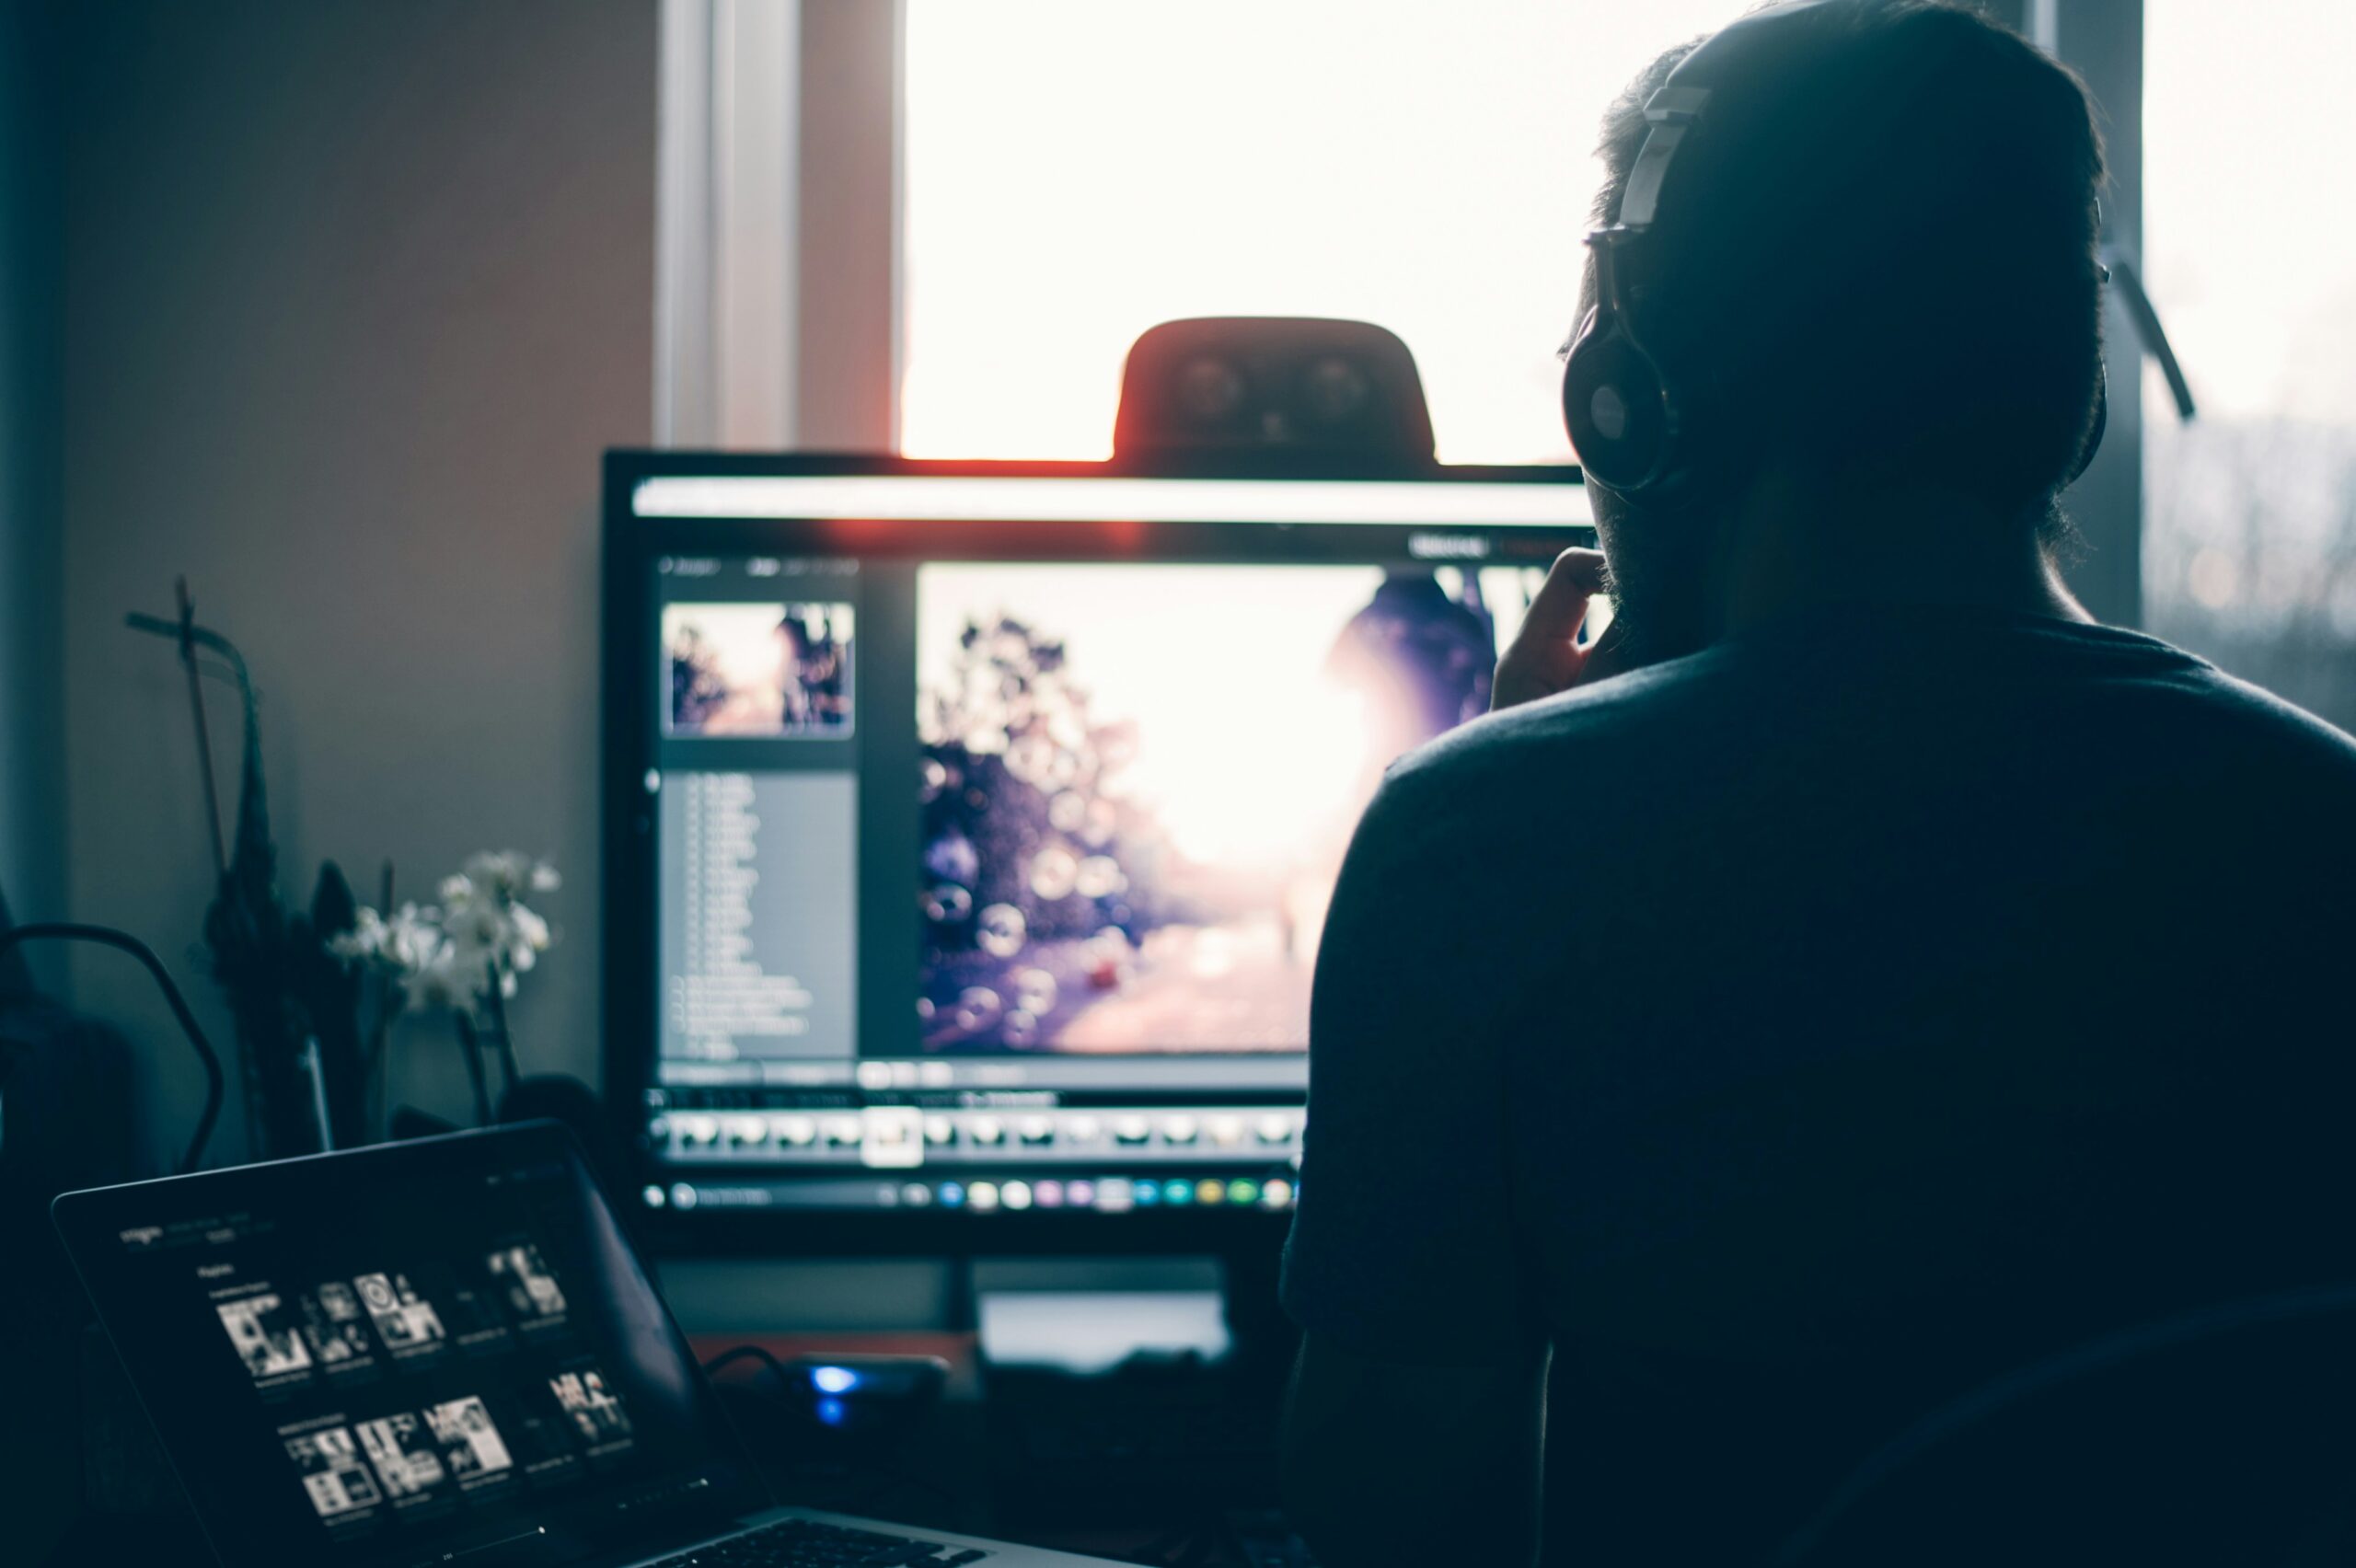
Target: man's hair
(1878, 253)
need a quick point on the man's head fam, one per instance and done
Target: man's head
(1873, 278)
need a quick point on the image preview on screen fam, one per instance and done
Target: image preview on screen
(1038, 930)
(1138, 782)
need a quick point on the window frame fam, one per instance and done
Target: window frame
(2103, 42)
(776, 120)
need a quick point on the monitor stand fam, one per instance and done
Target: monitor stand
(1119, 1388)
(717, 1295)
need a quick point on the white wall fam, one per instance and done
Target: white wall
(357, 292)
(32, 770)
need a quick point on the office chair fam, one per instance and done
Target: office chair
(2224, 1436)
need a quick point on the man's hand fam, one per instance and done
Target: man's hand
(1545, 656)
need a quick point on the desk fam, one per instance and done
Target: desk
(939, 1473)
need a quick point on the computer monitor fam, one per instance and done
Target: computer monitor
(970, 826)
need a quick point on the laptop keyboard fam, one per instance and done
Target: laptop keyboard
(805, 1543)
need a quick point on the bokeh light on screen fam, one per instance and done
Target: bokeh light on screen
(1253, 750)
(1139, 778)
(1077, 171)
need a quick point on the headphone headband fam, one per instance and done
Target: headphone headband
(1677, 105)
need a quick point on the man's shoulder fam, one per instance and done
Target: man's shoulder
(2265, 720)
(2125, 700)
(1491, 792)
(1635, 712)
(2216, 727)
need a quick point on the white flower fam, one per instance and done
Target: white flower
(411, 939)
(439, 983)
(364, 940)
(482, 925)
(531, 932)
(449, 956)
(510, 873)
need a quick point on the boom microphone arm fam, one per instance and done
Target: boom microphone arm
(106, 936)
(2128, 286)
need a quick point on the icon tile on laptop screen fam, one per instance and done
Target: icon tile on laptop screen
(405, 1319)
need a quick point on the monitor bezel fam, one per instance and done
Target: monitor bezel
(630, 959)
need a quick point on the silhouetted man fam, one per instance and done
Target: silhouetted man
(1857, 975)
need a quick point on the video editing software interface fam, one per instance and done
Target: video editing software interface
(405, 1368)
(994, 819)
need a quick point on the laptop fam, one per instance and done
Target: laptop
(438, 1351)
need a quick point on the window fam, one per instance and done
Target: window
(1077, 171)
(1071, 172)
(2250, 512)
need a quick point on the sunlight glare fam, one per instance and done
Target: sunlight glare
(1077, 171)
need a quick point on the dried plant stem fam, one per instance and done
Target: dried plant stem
(498, 1003)
(203, 732)
(472, 1050)
(378, 1066)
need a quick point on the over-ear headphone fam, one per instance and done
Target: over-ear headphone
(1624, 414)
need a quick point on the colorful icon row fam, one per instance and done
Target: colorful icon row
(1112, 1194)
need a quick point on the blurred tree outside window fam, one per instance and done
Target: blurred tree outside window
(2249, 237)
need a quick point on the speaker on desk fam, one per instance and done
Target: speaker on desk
(1343, 391)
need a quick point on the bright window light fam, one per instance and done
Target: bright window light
(1077, 171)
(2249, 545)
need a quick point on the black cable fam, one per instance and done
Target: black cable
(107, 936)
(744, 1352)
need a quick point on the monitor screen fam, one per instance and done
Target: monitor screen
(980, 821)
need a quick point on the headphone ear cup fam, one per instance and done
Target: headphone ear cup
(2093, 443)
(1617, 408)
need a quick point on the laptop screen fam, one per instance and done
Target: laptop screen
(402, 1355)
